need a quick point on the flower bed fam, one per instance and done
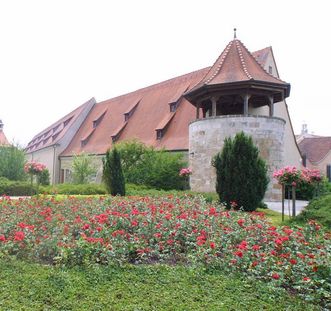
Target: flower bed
(170, 230)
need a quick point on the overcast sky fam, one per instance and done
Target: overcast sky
(55, 55)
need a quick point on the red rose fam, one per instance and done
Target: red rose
(19, 236)
(275, 276)
(241, 222)
(239, 253)
(293, 261)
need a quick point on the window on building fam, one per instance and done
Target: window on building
(66, 122)
(128, 114)
(98, 120)
(173, 107)
(159, 134)
(328, 172)
(68, 176)
(270, 70)
(62, 176)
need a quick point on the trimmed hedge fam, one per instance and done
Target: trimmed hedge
(23, 189)
(72, 189)
(16, 188)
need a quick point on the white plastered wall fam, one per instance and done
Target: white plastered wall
(292, 154)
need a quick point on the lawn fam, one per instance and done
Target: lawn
(135, 287)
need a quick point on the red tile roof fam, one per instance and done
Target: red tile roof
(140, 114)
(147, 110)
(315, 148)
(237, 64)
(51, 135)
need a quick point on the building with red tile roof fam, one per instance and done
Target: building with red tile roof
(3, 139)
(47, 145)
(159, 115)
(316, 152)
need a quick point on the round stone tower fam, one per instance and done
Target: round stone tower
(229, 100)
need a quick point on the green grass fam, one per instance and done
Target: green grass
(26, 286)
(274, 217)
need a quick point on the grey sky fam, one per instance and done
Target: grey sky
(55, 55)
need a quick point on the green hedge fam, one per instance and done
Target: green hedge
(318, 209)
(15, 188)
(23, 189)
(131, 190)
(72, 189)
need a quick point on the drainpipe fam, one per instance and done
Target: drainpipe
(54, 148)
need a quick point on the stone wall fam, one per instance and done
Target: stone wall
(206, 138)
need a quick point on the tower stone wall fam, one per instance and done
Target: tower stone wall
(206, 139)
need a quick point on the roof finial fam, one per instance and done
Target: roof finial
(235, 33)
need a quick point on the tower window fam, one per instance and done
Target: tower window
(270, 70)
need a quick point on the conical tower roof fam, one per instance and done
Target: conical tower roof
(237, 66)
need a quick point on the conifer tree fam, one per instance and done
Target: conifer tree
(113, 174)
(241, 175)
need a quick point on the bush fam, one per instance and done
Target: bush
(16, 188)
(12, 161)
(144, 165)
(113, 174)
(43, 177)
(82, 168)
(241, 175)
(72, 189)
(318, 209)
(308, 191)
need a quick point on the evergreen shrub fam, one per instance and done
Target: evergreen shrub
(241, 175)
(112, 173)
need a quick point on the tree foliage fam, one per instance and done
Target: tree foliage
(143, 165)
(12, 160)
(44, 178)
(82, 168)
(241, 175)
(112, 173)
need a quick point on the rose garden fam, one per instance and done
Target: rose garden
(123, 243)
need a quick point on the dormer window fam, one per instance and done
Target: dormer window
(270, 70)
(85, 140)
(55, 136)
(159, 134)
(56, 128)
(173, 107)
(129, 113)
(114, 138)
(66, 122)
(98, 120)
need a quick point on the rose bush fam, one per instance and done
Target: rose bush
(172, 230)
